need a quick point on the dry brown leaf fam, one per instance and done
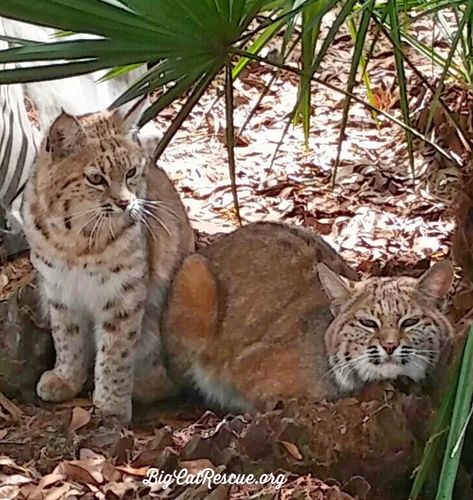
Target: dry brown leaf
(81, 471)
(292, 449)
(3, 281)
(58, 493)
(8, 462)
(122, 448)
(146, 457)
(27, 490)
(127, 469)
(79, 418)
(10, 407)
(82, 402)
(120, 489)
(3, 433)
(14, 479)
(9, 492)
(44, 482)
(91, 456)
(110, 473)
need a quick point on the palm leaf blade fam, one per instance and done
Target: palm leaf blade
(404, 98)
(355, 63)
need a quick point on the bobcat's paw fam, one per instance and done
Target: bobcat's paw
(114, 409)
(51, 387)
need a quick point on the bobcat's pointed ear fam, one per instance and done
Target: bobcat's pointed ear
(66, 136)
(126, 117)
(436, 281)
(336, 288)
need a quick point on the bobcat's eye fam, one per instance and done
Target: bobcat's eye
(131, 173)
(368, 323)
(96, 179)
(406, 323)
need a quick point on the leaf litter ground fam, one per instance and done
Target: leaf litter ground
(376, 216)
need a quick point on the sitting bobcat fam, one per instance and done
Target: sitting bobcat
(107, 230)
(263, 315)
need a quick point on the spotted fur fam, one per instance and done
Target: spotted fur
(270, 312)
(106, 230)
(385, 328)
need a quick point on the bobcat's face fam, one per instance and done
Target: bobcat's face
(113, 180)
(95, 180)
(386, 327)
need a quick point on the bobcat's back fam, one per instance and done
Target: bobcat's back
(271, 312)
(267, 291)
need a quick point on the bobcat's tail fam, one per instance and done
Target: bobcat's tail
(192, 310)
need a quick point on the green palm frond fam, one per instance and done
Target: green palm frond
(190, 39)
(403, 92)
(356, 61)
(188, 42)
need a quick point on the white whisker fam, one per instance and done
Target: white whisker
(110, 227)
(90, 220)
(343, 364)
(101, 225)
(426, 351)
(147, 226)
(157, 219)
(158, 205)
(95, 228)
(344, 374)
(73, 216)
(425, 359)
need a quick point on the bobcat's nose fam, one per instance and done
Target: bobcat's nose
(389, 347)
(123, 204)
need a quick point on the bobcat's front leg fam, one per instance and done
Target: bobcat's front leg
(67, 378)
(118, 331)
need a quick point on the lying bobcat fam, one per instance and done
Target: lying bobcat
(248, 319)
(106, 230)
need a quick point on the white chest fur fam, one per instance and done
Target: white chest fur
(79, 288)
